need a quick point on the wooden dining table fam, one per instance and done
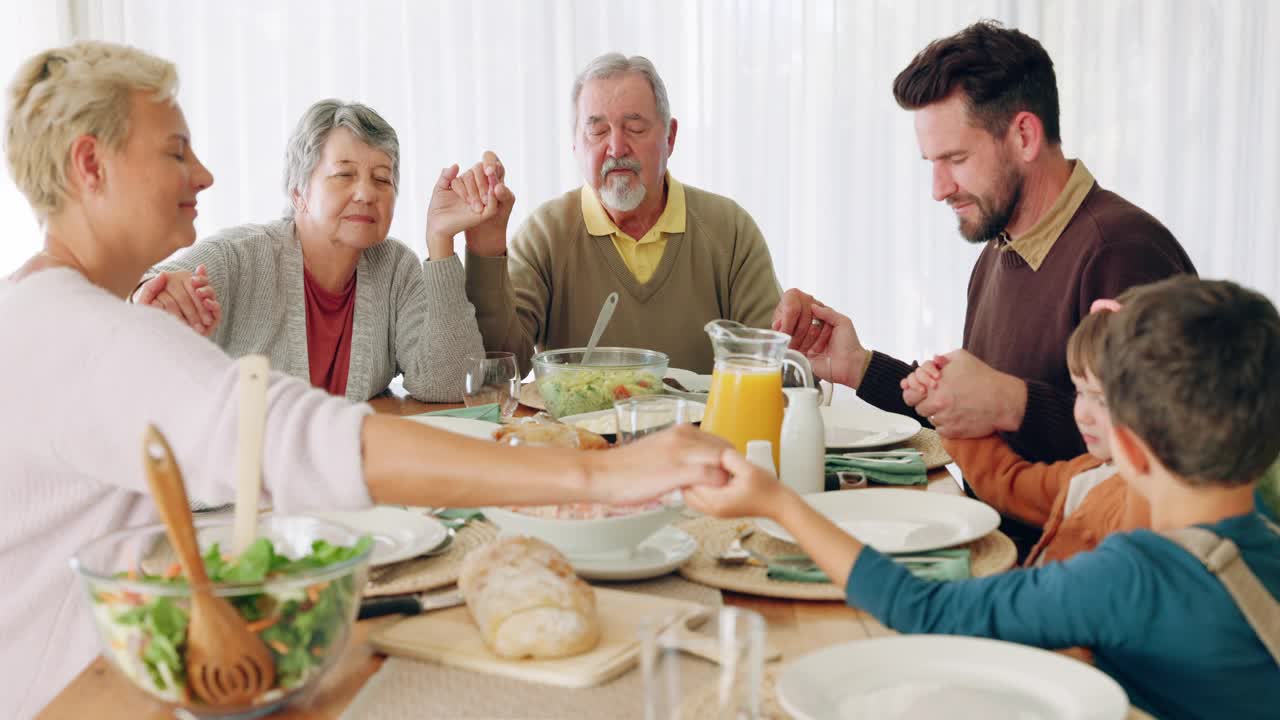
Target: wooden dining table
(796, 627)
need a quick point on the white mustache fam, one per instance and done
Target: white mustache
(612, 164)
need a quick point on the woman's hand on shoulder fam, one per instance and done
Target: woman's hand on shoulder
(187, 296)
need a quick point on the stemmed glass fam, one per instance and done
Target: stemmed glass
(493, 378)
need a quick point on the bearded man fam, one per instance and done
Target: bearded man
(985, 102)
(676, 255)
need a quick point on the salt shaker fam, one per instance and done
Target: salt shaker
(802, 455)
(760, 454)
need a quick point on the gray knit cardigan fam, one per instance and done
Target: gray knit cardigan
(410, 317)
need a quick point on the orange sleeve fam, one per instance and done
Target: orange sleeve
(1011, 485)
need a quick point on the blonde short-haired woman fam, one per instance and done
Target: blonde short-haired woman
(96, 141)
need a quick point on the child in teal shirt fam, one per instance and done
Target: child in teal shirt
(1192, 394)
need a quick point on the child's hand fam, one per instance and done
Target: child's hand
(750, 491)
(925, 378)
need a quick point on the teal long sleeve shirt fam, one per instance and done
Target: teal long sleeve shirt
(1156, 619)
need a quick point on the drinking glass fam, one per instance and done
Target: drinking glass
(676, 692)
(648, 414)
(493, 378)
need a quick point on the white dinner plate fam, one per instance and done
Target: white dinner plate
(856, 424)
(661, 553)
(605, 422)
(943, 676)
(900, 521)
(397, 534)
(462, 426)
(692, 381)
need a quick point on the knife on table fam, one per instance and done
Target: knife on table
(409, 604)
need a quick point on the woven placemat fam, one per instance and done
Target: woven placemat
(989, 555)
(428, 573)
(930, 446)
(405, 688)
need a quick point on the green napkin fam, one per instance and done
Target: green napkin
(489, 413)
(953, 565)
(467, 514)
(892, 467)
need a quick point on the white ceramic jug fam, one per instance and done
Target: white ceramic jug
(803, 442)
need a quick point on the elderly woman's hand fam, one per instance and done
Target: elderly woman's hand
(188, 297)
(490, 236)
(458, 203)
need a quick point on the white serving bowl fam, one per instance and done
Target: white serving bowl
(620, 533)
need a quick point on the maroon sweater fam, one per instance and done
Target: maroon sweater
(1018, 319)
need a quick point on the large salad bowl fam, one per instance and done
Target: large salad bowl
(571, 387)
(298, 587)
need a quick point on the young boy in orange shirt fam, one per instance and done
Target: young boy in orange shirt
(1077, 502)
(1185, 616)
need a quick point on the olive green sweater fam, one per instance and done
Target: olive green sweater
(547, 291)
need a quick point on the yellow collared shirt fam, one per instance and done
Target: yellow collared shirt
(1034, 245)
(640, 256)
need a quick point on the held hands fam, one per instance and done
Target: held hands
(749, 492)
(964, 397)
(188, 297)
(822, 333)
(476, 201)
(681, 457)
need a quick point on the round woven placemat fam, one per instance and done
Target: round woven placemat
(427, 573)
(988, 555)
(930, 446)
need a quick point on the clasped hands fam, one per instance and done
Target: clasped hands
(964, 397)
(477, 201)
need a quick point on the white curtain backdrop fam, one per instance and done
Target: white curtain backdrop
(785, 106)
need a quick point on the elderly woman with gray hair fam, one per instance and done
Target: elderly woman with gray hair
(323, 292)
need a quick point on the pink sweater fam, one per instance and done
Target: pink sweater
(83, 374)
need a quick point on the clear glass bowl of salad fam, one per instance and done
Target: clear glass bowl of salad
(297, 586)
(570, 387)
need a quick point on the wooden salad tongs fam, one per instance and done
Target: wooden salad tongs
(227, 664)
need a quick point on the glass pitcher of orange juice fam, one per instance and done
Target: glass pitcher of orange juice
(745, 402)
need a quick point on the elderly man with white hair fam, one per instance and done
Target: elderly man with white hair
(323, 291)
(677, 256)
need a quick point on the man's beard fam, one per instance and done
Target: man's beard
(994, 211)
(622, 193)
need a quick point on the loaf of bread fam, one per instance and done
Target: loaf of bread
(542, 430)
(526, 600)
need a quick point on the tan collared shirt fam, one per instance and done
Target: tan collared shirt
(1036, 243)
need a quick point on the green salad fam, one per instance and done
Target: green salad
(147, 634)
(588, 389)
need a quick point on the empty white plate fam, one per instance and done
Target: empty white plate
(605, 422)
(462, 426)
(943, 676)
(692, 381)
(900, 521)
(661, 553)
(397, 534)
(857, 424)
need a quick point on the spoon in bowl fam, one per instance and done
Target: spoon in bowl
(227, 664)
(602, 320)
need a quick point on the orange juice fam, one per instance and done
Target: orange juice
(745, 403)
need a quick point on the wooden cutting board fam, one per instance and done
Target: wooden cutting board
(452, 638)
